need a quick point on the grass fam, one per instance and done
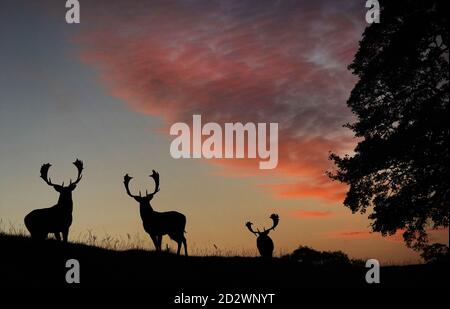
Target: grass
(26, 262)
(124, 261)
(131, 242)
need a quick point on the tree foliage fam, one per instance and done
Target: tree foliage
(400, 167)
(436, 253)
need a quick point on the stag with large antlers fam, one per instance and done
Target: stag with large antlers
(264, 242)
(158, 224)
(56, 219)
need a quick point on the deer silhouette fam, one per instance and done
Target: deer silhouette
(264, 242)
(158, 224)
(56, 219)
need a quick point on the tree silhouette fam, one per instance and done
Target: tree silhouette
(400, 165)
(435, 253)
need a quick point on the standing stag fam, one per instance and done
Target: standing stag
(56, 219)
(264, 242)
(158, 224)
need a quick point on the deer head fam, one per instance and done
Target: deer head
(148, 196)
(275, 218)
(65, 192)
(61, 188)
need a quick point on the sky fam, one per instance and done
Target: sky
(107, 90)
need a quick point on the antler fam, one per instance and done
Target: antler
(79, 166)
(249, 226)
(155, 176)
(44, 174)
(275, 218)
(126, 182)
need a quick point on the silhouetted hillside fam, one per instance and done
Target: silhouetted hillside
(24, 262)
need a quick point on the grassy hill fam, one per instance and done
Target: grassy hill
(27, 263)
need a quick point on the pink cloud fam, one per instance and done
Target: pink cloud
(232, 61)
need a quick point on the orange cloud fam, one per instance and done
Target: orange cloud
(332, 192)
(438, 235)
(351, 234)
(311, 214)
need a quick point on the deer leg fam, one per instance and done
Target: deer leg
(57, 236)
(185, 246)
(38, 236)
(65, 235)
(155, 241)
(181, 240)
(179, 247)
(160, 242)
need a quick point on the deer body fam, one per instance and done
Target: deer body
(157, 224)
(56, 219)
(264, 243)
